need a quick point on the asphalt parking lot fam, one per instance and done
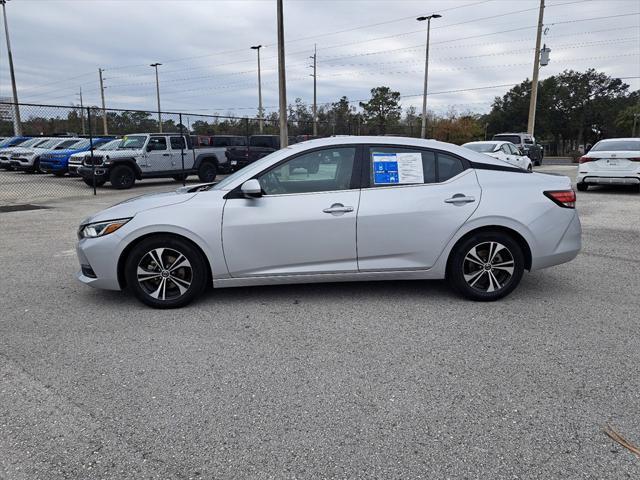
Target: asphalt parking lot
(377, 380)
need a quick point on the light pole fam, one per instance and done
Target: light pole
(315, 104)
(282, 79)
(17, 126)
(105, 128)
(260, 112)
(534, 80)
(423, 130)
(156, 65)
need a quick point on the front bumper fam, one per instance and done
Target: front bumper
(101, 173)
(99, 256)
(47, 166)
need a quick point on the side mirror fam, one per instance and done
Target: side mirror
(251, 188)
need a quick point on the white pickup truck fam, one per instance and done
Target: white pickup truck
(151, 155)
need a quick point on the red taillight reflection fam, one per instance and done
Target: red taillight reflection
(563, 198)
(584, 159)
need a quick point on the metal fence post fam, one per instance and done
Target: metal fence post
(93, 163)
(182, 143)
(246, 127)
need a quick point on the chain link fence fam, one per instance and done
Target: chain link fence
(64, 150)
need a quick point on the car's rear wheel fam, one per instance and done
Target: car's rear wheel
(582, 187)
(122, 177)
(180, 178)
(164, 271)
(486, 266)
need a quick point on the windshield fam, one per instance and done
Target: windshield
(80, 144)
(617, 146)
(508, 138)
(32, 142)
(113, 144)
(7, 142)
(132, 142)
(481, 147)
(47, 143)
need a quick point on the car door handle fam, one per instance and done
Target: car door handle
(166, 154)
(337, 208)
(460, 198)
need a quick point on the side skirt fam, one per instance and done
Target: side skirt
(328, 277)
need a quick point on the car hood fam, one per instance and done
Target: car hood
(117, 153)
(132, 206)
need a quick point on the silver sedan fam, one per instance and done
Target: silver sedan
(338, 209)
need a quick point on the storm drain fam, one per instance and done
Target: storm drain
(20, 207)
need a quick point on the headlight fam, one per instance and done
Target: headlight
(100, 229)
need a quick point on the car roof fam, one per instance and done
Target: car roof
(398, 141)
(628, 139)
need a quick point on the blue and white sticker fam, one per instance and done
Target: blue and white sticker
(397, 168)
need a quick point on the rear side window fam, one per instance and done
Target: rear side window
(401, 166)
(177, 143)
(448, 167)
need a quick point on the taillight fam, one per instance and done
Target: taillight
(584, 159)
(635, 159)
(562, 198)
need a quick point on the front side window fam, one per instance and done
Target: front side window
(318, 171)
(177, 143)
(514, 149)
(157, 143)
(505, 149)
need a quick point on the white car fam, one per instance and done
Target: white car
(5, 153)
(384, 208)
(29, 159)
(505, 151)
(615, 161)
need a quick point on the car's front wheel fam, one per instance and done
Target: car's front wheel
(122, 177)
(165, 271)
(486, 266)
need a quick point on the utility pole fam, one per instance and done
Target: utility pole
(82, 112)
(156, 65)
(282, 80)
(315, 100)
(423, 130)
(536, 67)
(17, 125)
(260, 112)
(105, 130)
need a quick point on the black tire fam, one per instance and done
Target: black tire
(180, 178)
(635, 188)
(180, 286)
(207, 172)
(582, 187)
(476, 280)
(122, 177)
(58, 174)
(89, 182)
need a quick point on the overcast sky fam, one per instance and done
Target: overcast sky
(208, 67)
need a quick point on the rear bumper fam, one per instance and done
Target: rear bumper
(608, 180)
(565, 250)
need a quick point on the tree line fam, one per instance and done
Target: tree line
(573, 109)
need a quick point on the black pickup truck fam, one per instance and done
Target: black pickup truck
(258, 146)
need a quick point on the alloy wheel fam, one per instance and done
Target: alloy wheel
(164, 274)
(488, 267)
